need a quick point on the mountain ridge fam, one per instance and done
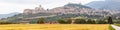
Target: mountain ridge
(8, 15)
(110, 5)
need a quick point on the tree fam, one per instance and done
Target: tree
(61, 21)
(80, 21)
(7, 22)
(69, 21)
(41, 21)
(90, 21)
(102, 22)
(110, 20)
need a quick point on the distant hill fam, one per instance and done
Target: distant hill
(8, 15)
(108, 4)
(69, 10)
(76, 6)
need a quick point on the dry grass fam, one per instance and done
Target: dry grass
(55, 27)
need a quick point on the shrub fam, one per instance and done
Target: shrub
(41, 21)
(69, 21)
(102, 22)
(80, 21)
(7, 23)
(89, 21)
(62, 21)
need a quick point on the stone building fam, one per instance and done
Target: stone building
(28, 11)
(34, 11)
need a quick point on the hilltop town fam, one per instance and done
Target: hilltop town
(71, 9)
(68, 11)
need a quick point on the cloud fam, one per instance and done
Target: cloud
(11, 7)
(114, 0)
(8, 6)
(21, 1)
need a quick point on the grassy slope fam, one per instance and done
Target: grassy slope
(118, 24)
(111, 28)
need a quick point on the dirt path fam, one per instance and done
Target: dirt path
(116, 27)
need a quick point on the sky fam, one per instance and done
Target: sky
(10, 6)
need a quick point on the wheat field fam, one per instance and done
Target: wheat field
(55, 27)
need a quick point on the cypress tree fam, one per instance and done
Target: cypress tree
(110, 20)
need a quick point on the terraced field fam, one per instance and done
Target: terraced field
(55, 27)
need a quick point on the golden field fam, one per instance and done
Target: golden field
(55, 27)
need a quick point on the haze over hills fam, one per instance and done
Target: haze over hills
(107, 4)
(8, 15)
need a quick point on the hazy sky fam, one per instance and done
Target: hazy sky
(9, 6)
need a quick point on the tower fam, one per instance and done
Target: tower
(40, 6)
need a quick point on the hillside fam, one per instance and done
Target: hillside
(108, 4)
(8, 15)
(76, 6)
(67, 11)
(70, 10)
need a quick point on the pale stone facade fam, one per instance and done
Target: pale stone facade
(34, 11)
